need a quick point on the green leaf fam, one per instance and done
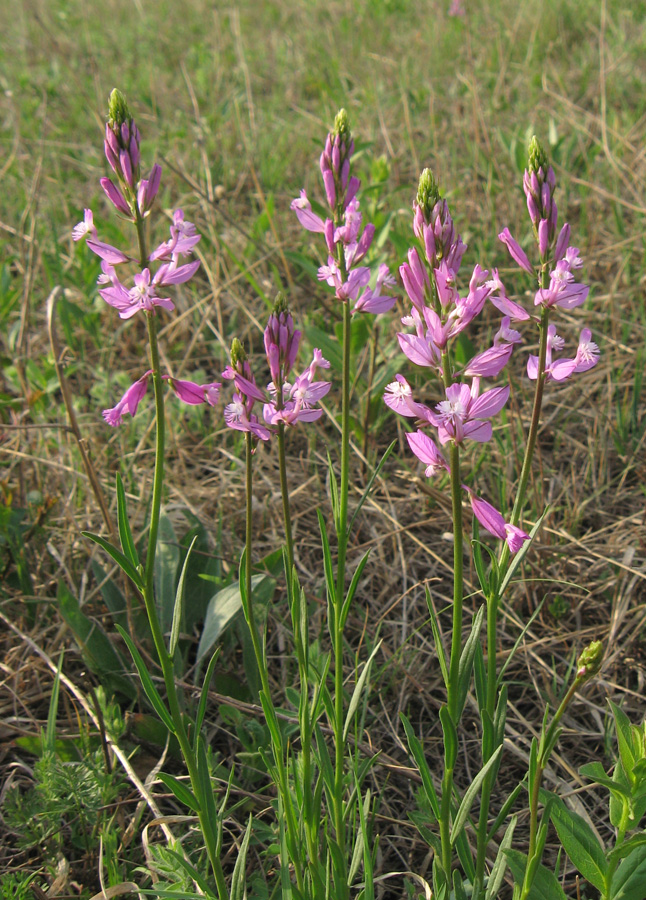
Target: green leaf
(238, 887)
(629, 879)
(581, 844)
(183, 793)
(450, 737)
(147, 682)
(112, 595)
(122, 561)
(225, 604)
(497, 873)
(417, 752)
(626, 847)
(165, 571)
(368, 488)
(96, 647)
(595, 772)
(49, 738)
(437, 637)
(204, 694)
(624, 738)
(465, 665)
(356, 694)
(179, 604)
(125, 532)
(520, 556)
(470, 795)
(545, 885)
(352, 589)
(204, 788)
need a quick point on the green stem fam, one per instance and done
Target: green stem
(282, 463)
(342, 543)
(165, 660)
(458, 580)
(544, 753)
(493, 602)
(282, 785)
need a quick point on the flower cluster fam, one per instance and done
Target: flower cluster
(284, 402)
(347, 243)
(133, 197)
(438, 315)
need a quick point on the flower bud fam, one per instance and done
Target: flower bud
(428, 194)
(537, 157)
(238, 355)
(122, 143)
(589, 662)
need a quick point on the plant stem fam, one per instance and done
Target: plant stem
(282, 463)
(165, 660)
(493, 602)
(342, 543)
(544, 753)
(249, 612)
(458, 590)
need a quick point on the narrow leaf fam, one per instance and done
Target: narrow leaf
(204, 693)
(437, 637)
(497, 873)
(179, 605)
(237, 890)
(356, 694)
(520, 556)
(125, 532)
(465, 666)
(368, 488)
(122, 561)
(147, 682)
(581, 844)
(470, 795)
(629, 879)
(417, 752)
(183, 793)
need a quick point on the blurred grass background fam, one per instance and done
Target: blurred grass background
(234, 102)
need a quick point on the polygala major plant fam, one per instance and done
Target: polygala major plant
(324, 813)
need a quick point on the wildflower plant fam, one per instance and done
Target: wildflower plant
(437, 316)
(323, 811)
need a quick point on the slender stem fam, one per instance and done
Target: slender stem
(458, 590)
(544, 753)
(166, 662)
(494, 601)
(282, 463)
(342, 542)
(260, 657)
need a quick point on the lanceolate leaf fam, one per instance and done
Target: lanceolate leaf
(147, 682)
(545, 885)
(580, 843)
(122, 561)
(629, 879)
(125, 532)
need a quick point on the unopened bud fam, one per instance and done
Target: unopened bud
(238, 355)
(118, 112)
(428, 194)
(537, 157)
(342, 128)
(280, 304)
(589, 662)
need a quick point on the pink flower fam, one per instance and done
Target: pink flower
(399, 397)
(461, 415)
(308, 219)
(236, 416)
(377, 300)
(115, 197)
(502, 302)
(85, 227)
(493, 522)
(194, 394)
(516, 251)
(557, 370)
(563, 291)
(587, 354)
(426, 450)
(129, 402)
(299, 398)
(491, 362)
(110, 254)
